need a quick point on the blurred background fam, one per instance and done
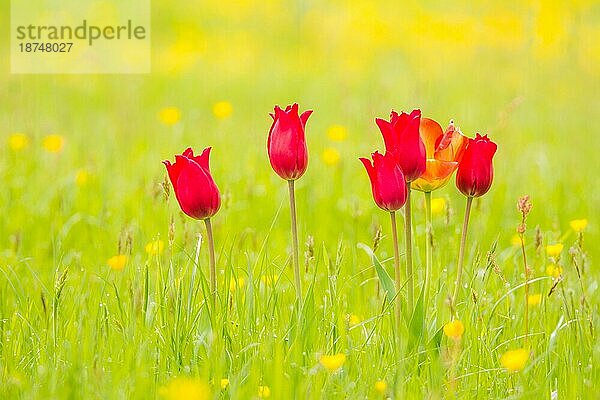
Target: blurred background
(82, 157)
(83, 187)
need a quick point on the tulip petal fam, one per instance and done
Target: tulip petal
(451, 145)
(430, 132)
(386, 131)
(203, 159)
(436, 175)
(368, 166)
(304, 117)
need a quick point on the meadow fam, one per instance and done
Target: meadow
(103, 294)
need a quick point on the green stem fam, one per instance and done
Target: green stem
(194, 271)
(526, 269)
(213, 266)
(428, 247)
(408, 234)
(396, 270)
(295, 242)
(461, 254)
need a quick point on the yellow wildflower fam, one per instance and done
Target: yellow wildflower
(155, 247)
(534, 299)
(554, 250)
(222, 109)
(331, 156)
(82, 177)
(454, 329)
(264, 392)
(332, 362)
(235, 285)
(337, 133)
(578, 225)
(117, 262)
(18, 141)
(516, 240)
(183, 388)
(53, 143)
(268, 280)
(353, 319)
(224, 383)
(169, 115)
(381, 386)
(554, 270)
(438, 205)
(514, 360)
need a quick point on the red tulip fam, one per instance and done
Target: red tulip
(475, 171)
(194, 187)
(387, 181)
(402, 140)
(286, 144)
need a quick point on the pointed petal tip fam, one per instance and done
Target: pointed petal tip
(304, 116)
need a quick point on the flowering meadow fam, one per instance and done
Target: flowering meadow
(310, 200)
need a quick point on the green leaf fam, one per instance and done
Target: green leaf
(436, 341)
(417, 322)
(386, 281)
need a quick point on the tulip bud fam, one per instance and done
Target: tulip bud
(475, 171)
(387, 181)
(286, 144)
(194, 187)
(402, 140)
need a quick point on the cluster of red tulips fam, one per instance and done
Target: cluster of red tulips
(418, 155)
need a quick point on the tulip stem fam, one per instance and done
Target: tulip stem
(213, 267)
(295, 242)
(396, 269)
(461, 253)
(428, 247)
(408, 234)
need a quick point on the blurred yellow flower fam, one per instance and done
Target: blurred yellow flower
(18, 141)
(554, 270)
(332, 362)
(381, 386)
(353, 319)
(331, 156)
(516, 240)
(438, 205)
(578, 225)
(82, 177)
(337, 133)
(183, 388)
(454, 329)
(234, 285)
(53, 143)
(155, 247)
(268, 280)
(222, 109)
(554, 250)
(117, 262)
(264, 392)
(224, 383)
(534, 299)
(514, 360)
(169, 115)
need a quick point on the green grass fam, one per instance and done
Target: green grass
(70, 327)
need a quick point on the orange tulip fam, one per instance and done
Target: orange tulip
(444, 152)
